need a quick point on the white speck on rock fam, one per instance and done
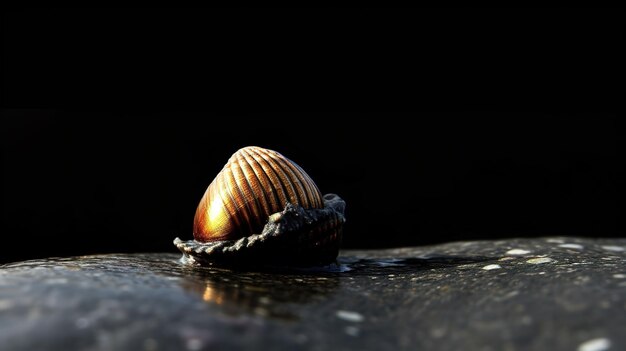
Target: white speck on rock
(5, 304)
(572, 246)
(555, 241)
(619, 276)
(262, 311)
(526, 320)
(150, 344)
(512, 293)
(613, 248)
(265, 300)
(491, 266)
(438, 332)
(301, 338)
(82, 323)
(193, 344)
(56, 281)
(599, 344)
(517, 252)
(388, 263)
(352, 330)
(350, 316)
(539, 260)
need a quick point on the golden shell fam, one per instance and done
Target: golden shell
(254, 184)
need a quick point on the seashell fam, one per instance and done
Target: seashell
(263, 206)
(254, 184)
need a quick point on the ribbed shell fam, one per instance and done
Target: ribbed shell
(254, 183)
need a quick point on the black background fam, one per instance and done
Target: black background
(433, 125)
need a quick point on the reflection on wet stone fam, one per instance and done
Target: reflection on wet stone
(261, 293)
(270, 291)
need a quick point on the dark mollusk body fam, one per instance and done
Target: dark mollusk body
(294, 236)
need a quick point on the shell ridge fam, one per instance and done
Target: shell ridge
(290, 190)
(309, 195)
(224, 195)
(251, 198)
(242, 208)
(319, 202)
(294, 182)
(281, 192)
(312, 193)
(265, 202)
(274, 202)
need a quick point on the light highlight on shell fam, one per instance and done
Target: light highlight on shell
(263, 208)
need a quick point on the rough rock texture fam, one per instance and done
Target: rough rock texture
(539, 294)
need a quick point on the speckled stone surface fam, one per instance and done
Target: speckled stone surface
(532, 294)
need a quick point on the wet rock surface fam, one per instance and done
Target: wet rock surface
(532, 294)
